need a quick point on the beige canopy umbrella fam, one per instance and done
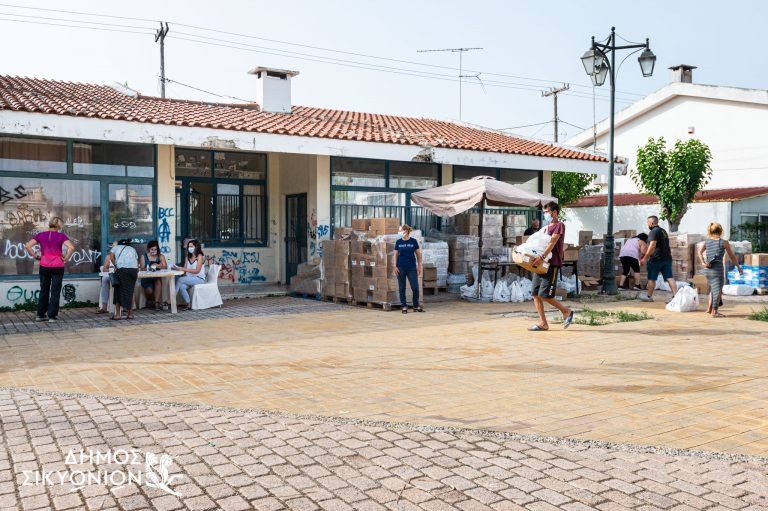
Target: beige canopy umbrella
(455, 198)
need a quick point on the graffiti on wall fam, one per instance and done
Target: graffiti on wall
(164, 229)
(23, 293)
(238, 266)
(317, 232)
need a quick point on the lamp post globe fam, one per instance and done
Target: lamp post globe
(647, 61)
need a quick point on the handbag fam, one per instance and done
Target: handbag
(714, 258)
(114, 279)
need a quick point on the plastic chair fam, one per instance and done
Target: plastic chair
(205, 296)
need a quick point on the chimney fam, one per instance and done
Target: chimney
(682, 73)
(273, 89)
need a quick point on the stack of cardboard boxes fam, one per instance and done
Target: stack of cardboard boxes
(514, 226)
(462, 255)
(373, 227)
(469, 224)
(683, 262)
(337, 276)
(435, 253)
(373, 272)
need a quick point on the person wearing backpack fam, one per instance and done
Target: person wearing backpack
(52, 260)
(711, 254)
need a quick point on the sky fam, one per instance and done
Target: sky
(535, 45)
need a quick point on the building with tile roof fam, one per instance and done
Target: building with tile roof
(260, 184)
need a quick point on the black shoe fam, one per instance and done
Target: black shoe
(405, 310)
(39, 319)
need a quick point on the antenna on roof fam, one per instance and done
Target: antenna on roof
(160, 36)
(460, 51)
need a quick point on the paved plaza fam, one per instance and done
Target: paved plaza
(286, 403)
(239, 460)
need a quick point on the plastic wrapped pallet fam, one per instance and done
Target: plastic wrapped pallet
(591, 261)
(436, 252)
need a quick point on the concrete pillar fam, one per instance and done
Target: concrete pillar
(546, 188)
(276, 214)
(446, 174)
(320, 180)
(166, 201)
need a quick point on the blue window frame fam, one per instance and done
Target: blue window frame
(38, 180)
(221, 197)
(364, 188)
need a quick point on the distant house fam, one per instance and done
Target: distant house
(261, 185)
(732, 121)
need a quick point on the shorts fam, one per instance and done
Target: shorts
(544, 286)
(629, 263)
(148, 283)
(656, 267)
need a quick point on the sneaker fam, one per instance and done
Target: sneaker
(39, 319)
(53, 320)
(646, 298)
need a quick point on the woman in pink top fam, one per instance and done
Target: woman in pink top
(52, 261)
(631, 252)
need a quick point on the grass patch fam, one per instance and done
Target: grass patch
(591, 317)
(601, 298)
(760, 315)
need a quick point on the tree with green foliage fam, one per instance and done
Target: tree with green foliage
(674, 176)
(568, 187)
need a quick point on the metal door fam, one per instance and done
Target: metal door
(295, 233)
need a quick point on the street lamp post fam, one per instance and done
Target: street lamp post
(597, 66)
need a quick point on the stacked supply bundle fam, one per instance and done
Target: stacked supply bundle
(741, 249)
(682, 247)
(374, 227)
(469, 224)
(436, 254)
(755, 273)
(307, 279)
(590, 264)
(514, 226)
(336, 269)
(462, 255)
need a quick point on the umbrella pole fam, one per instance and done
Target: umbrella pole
(480, 248)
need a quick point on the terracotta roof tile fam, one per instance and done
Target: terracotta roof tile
(101, 101)
(636, 199)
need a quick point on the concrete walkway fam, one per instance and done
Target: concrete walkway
(678, 380)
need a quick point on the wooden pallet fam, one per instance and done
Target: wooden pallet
(335, 299)
(434, 290)
(387, 306)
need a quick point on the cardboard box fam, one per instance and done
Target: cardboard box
(361, 224)
(561, 294)
(756, 259)
(585, 238)
(385, 225)
(571, 254)
(516, 220)
(526, 261)
(429, 273)
(519, 240)
(701, 284)
(626, 233)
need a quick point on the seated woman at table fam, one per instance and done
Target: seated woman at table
(153, 260)
(126, 263)
(194, 271)
(104, 292)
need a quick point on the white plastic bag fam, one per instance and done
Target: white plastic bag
(486, 288)
(686, 300)
(662, 285)
(516, 293)
(738, 290)
(501, 291)
(526, 289)
(535, 244)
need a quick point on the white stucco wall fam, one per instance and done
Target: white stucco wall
(634, 217)
(735, 132)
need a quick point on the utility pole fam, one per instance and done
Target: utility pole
(160, 36)
(460, 51)
(554, 92)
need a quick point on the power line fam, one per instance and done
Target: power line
(461, 75)
(76, 26)
(207, 91)
(306, 46)
(524, 126)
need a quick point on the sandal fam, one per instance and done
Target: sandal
(113, 318)
(537, 328)
(101, 311)
(718, 315)
(419, 309)
(130, 316)
(405, 310)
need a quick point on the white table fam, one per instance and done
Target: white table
(167, 275)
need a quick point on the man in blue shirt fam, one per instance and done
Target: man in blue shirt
(408, 266)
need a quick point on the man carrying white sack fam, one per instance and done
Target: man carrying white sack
(544, 286)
